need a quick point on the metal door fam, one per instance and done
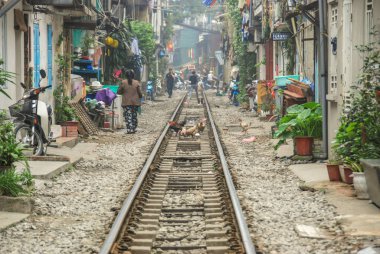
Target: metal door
(36, 50)
(269, 59)
(50, 54)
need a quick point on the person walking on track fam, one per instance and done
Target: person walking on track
(170, 82)
(131, 100)
(194, 84)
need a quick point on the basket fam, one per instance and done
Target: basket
(282, 81)
(22, 107)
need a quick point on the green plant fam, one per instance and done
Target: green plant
(245, 60)
(26, 177)
(353, 165)
(334, 162)
(358, 136)
(5, 76)
(300, 120)
(13, 183)
(267, 30)
(88, 42)
(62, 110)
(10, 150)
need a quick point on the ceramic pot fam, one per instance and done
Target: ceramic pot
(304, 146)
(360, 185)
(333, 171)
(347, 175)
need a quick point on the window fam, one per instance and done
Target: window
(333, 84)
(368, 20)
(334, 15)
(347, 98)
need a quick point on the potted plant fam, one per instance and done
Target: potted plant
(89, 42)
(63, 112)
(303, 123)
(358, 178)
(358, 136)
(333, 170)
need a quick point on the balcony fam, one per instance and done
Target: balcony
(74, 8)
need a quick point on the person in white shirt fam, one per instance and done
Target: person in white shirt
(211, 79)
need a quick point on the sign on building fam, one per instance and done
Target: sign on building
(281, 36)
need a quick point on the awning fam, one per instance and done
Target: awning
(9, 5)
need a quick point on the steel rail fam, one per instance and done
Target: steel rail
(244, 232)
(127, 204)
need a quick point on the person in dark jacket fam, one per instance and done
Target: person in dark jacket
(194, 84)
(170, 82)
(131, 100)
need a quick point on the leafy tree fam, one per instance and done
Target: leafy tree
(245, 60)
(144, 33)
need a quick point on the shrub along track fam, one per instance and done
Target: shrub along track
(184, 200)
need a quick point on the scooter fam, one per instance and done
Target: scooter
(33, 119)
(149, 91)
(234, 93)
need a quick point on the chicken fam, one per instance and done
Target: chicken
(176, 126)
(244, 126)
(189, 132)
(201, 125)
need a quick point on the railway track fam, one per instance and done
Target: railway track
(184, 200)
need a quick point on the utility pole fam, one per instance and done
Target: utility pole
(323, 75)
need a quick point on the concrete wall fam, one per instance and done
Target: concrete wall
(345, 66)
(11, 42)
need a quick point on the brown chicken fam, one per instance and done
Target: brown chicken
(189, 132)
(176, 126)
(201, 125)
(244, 126)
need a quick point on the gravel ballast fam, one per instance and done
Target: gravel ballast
(270, 195)
(74, 211)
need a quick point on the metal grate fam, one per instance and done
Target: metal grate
(84, 119)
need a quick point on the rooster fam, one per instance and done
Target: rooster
(244, 126)
(176, 126)
(201, 125)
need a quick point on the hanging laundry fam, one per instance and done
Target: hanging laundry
(244, 26)
(135, 47)
(209, 3)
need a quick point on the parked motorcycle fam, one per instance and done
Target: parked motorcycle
(33, 119)
(149, 91)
